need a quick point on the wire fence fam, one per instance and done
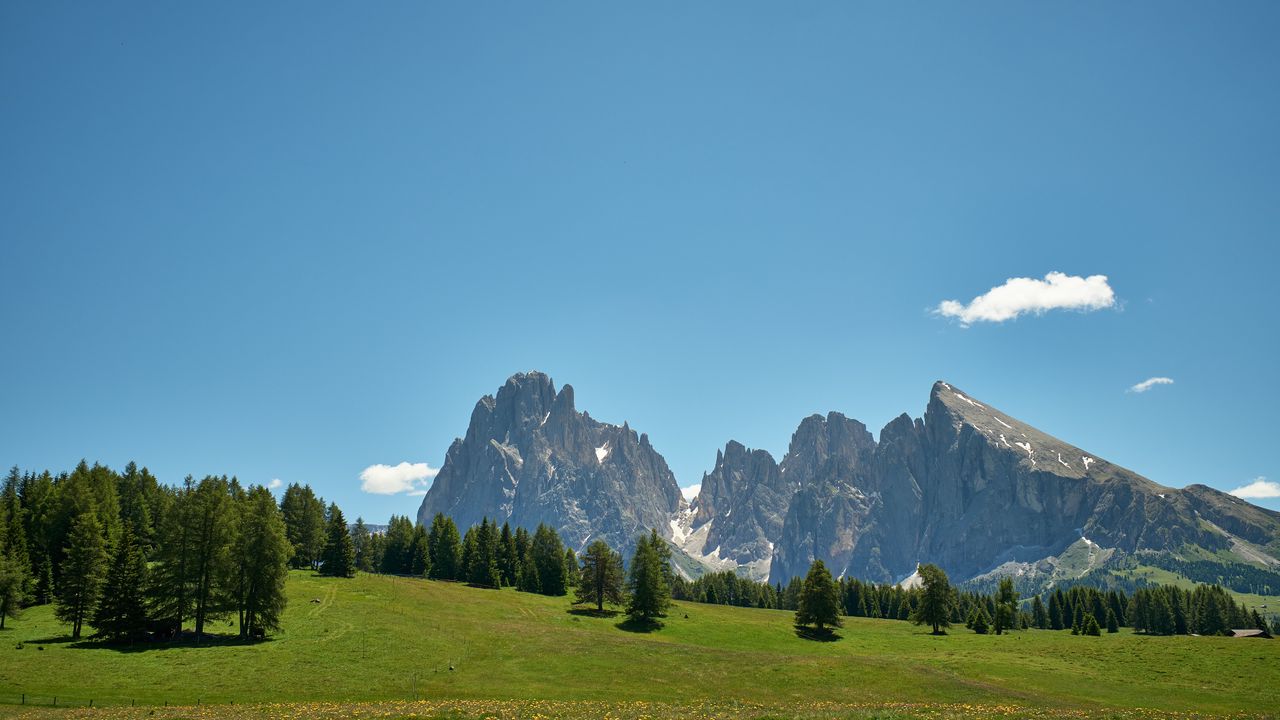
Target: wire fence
(79, 701)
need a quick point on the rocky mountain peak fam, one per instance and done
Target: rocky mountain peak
(530, 457)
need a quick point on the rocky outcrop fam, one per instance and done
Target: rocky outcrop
(973, 489)
(966, 487)
(530, 457)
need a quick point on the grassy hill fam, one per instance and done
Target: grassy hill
(377, 638)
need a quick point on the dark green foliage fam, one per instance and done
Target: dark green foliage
(397, 547)
(727, 588)
(480, 553)
(82, 569)
(304, 524)
(445, 548)
(339, 556)
(601, 576)
(213, 522)
(1006, 614)
(650, 593)
(1039, 615)
(1113, 625)
(979, 621)
(14, 583)
(819, 603)
(937, 599)
(262, 550)
(547, 555)
(121, 614)
(570, 568)
(1089, 626)
(360, 544)
(508, 557)
(420, 552)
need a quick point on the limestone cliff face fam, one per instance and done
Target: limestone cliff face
(530, 457)
(967, 487)
(974, 490)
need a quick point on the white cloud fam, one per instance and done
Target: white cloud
(1019, 296)
(1259, 489)
(275, 483)
(409, 478)
(690, 492)
(1149, 383)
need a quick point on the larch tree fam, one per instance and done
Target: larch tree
(601, 576)
(262, 552)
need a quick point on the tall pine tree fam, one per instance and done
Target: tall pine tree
(339, 557)
(121, 615)
(82, 571)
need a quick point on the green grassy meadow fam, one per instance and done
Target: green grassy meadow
(389, 641)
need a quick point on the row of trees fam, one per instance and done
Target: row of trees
(130, 558)
(1164, 609)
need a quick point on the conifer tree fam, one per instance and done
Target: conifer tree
(360, 544)
(937, 600)
(171, 587)
(82, 570)
(1089, 625)
(262, 552)
(979, 622)
(548, 560)
(339, 556)
(14, 581)
(508, 558)
(213, 517)
(420, 552)
(1113, 625)
(304, 523)
(818, 603)
(1006, 614)
(482, 555)
(445, 548)
(601, 576)
(121, 614)
(397, 546)
(650, 595)
(1039, 615)
(570, 568)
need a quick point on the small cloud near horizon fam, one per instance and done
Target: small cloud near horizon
(405, 478)
(1021, 296)
(275, 483)
(690, 492)
(1149, 383)
(1260, 489)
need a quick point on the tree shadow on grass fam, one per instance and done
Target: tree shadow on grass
(825, 634)
(186, 640)
(592, 612)
(640, 625)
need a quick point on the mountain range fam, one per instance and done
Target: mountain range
(967, 487)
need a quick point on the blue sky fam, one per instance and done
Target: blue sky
(295, 241)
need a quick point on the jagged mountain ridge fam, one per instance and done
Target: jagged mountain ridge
(977, 491)
(530, 457)
(967, 487)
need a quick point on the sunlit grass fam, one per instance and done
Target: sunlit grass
(373, 645)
